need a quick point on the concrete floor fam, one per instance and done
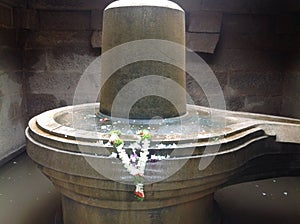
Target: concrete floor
(28, 197)
(269, 201)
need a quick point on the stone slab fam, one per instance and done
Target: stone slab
(26, 19)
(96, 39)
(249, 24)
(244, 6)
(288, 24)
(6, 16)
(207, 22)
(189, 5)
(15, 3)
(8, 37)
(69, 4)
(11, 59)
(96, 19)
(57, 38)
(261, 104)
(230, 60)
(70, 58)
(35, 60)
(251, 83)
(53, 83)
(202, 42)
(64, 20)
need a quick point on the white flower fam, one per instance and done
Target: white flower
(134, 146)
(113, 155)
(113, 138)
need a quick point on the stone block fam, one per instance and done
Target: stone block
(290, 107)
(12, 124)
(289, 42)
(259, 84)
(291, 84)
(11, 83)
(64, 20)
(189, 5)
(201, 91)
(26, 19)
(293, 6)
(264, 105)
(258, 41)
(288, 24)
(207, 22)
(244, 6)
(202, 42)
(230, 60)
(53, 83)
(38, 103)
(6, 16)
(15, 3)
(8, 37)
(35, 60)
(69, 4)
(96, 39)
(235, 103)
(249, 24)
(96, 19)
(10, 59)
(75, 59)
(41, 39)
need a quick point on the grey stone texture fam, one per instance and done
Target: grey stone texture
(131, 23)
(202, 42)
(69, 4)
(96, 39)
(26, 18)
(207, 22)
(12, 95)
(96, 19)
(249, 147)
(64, 20)
(50, 38)
(257, 53)
(8, 37)
(6, 18)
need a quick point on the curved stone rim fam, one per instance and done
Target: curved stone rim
(47, 122)
(145, 3)
(242, 125)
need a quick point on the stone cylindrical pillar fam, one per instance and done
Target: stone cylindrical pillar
(126, 21)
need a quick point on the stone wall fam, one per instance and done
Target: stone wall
(12, 83)
(56, 53)
(244, 42)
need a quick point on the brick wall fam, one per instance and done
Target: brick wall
(12, 82)
(244, 42)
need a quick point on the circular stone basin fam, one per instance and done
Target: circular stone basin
(201, 150)
(84, 121)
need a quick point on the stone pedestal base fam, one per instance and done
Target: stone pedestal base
(201, 211)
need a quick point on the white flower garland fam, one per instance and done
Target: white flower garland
(134, 164)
